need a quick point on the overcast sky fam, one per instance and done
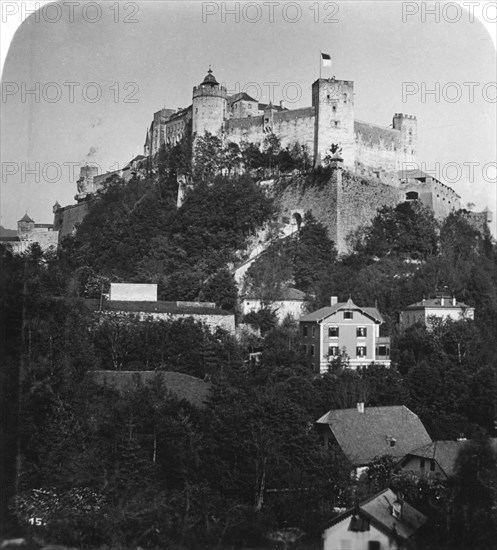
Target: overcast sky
(151, 54)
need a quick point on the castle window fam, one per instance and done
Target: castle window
(250, 105)
(345, 98)
(337, 123)
(334, 108)
(328, 96)
(412, 196)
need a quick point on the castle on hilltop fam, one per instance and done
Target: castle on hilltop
(374, 166)
(329, 120)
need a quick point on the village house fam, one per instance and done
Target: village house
(436, 460)
(442, 306)
(344, 327)
(141, 299)
(365, 433)
(382, 522)
(290, 302)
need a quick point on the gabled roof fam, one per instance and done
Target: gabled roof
(444, 453)
(325, 312)
(183, 386)
(378, 511)
(26, 218)
(437, 303)
(364, 436)
(242, 96)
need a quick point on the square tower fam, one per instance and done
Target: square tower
(333, 101)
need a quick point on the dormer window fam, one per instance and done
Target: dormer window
(348, 315)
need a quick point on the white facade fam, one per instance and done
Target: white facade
(124, 292)
(339, 537)
(282, 308)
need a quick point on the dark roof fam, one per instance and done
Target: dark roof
(44, 225)
(378, 510)
(374, 134)
(8, 239)
(178, 308)
(325, 312)
(26, 218)
(242, 96)
(183, 386)
(263, 106)
(415, 174)
(364, 436)
(437, 302)
(210, 79)
(444, 453)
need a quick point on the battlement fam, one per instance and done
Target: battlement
(408, 117)
(209, 91)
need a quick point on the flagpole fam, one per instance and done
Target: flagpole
(320, 63)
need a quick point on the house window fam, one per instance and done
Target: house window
(432, 465)
(422, 463)
(393, 442)
(332, 332)
(313, 332)
(333, 351)
(361, 351)
(348, 315)
(313, 351)
(383, 351)
(305, 331)
(361, 332)
(250, 105)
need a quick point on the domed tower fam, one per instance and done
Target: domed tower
(209, 106)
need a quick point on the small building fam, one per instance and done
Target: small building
(382, 522)
(289, 302)
(344, 327)
(366, 433)
(436, 460)
(442, 306)
(28, 233)
(141, 299)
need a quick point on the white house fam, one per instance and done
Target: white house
(289, 302)
(442, 307)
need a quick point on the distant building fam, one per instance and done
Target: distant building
(181, 386)
(436, 460)
(141, 299)
(28, 233)
(365, 433)
(382, 522)
(289, 302)
(443, 306)
(343, 326)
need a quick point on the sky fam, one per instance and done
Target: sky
(102, 69)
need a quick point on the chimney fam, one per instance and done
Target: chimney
(397, 508)
(282, 104)
(334, 300)
(454, 300)
(442, 301)
(360, 408)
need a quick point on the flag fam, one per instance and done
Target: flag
(326, 60)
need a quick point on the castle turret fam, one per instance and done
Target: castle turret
(25, 226)
(333, 101)
(209, 106)
(56, 207)
(408, 127)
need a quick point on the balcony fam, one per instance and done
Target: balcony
(383, 348)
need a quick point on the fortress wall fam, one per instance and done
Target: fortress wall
(293, 126)
(65, 219)
(433, 194)
(358, 202)
(321, 201)
(46, 239)
(245, 129)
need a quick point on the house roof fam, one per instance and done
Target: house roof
(263, 106)
(444, 453)
(26, 218)
(183, 386)
(325, 312)
(242, 96)
(9, 239)
(378, 510)
(364, 436)
(437, 303)
(173, 308)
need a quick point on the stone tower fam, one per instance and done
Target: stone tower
(408, 127)
(333, 101)
(25, 226)
(209, 106)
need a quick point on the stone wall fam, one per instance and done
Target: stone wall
(435, 195)
(66, 219)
